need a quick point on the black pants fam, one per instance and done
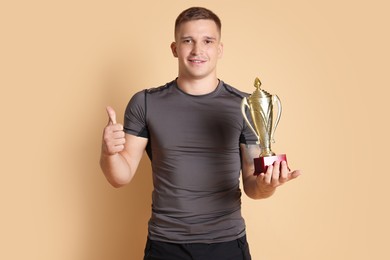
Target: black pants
(233, 250)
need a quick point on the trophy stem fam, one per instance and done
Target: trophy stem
(266, 151)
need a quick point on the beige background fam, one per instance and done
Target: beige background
(62, 62)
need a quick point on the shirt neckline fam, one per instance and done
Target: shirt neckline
(211, 94)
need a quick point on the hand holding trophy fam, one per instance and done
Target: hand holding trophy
(261, 105)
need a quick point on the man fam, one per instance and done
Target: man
(198, 142)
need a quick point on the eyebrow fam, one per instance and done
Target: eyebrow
(210, 38)
(206, 37)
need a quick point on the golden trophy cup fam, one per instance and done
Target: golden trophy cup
(261, 105)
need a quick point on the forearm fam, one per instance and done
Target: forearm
(116, 169)
(253, 188)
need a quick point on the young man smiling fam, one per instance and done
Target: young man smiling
(198, 143)
(198, 47)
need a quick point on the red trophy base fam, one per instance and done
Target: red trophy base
(262, 163)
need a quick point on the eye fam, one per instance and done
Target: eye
(208, 41)
(187, 41)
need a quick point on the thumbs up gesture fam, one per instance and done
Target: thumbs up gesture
(113, 135)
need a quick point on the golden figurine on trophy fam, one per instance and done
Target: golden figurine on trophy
(261, 105)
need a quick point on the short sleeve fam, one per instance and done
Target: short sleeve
(135, 116)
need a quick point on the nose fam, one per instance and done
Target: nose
(196, 49)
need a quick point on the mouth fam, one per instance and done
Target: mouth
(197, 61)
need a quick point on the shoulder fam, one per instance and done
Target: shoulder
(160, 88)
(137, 98)
(141, 95)
(234, 91)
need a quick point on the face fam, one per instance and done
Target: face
(197, 46)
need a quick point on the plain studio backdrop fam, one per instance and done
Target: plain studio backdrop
(62, 62)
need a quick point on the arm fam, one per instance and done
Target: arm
(121, 153)
(263, 185)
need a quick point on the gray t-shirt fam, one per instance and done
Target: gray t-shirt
(193, 144)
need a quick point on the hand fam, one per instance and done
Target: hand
(276, 175)
(113, 135)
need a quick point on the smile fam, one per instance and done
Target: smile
(197, 61)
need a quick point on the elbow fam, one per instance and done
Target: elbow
(116, 178)
(116, 183)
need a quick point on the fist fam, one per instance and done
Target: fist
(113, 135)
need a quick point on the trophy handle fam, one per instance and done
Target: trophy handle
(276, 100)
(244, 104)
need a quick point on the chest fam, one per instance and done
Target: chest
(202, 123)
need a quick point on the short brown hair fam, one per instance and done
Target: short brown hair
(197, 13)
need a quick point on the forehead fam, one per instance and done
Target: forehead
(198, 28)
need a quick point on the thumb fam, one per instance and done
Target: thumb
(111, 115)
(295, 174)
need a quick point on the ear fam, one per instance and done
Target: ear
(173, 48)
(220, 50)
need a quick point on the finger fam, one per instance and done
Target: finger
(276, 172)
(268, 174)
(118, 142)
(114, 128)
(115, 149)
(113, 146)
(284, 171)
(119, 134)
(260, 177)
(112, 132)
(111, 115)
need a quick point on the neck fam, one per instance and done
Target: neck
(197, 86)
